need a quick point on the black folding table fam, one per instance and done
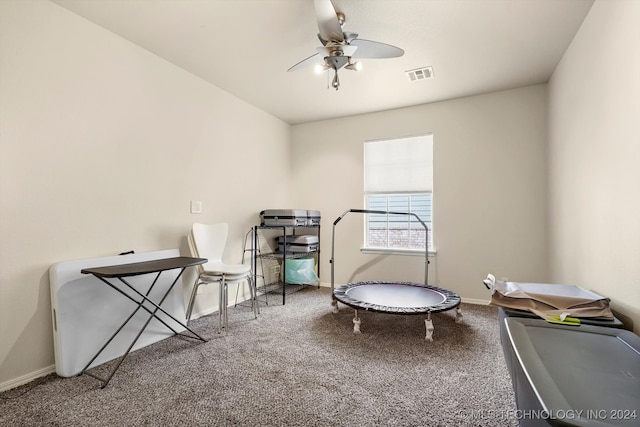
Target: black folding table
(143, 301)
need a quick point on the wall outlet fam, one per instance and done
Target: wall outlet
(196, 207)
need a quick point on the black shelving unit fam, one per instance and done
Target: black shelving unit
(280, 285)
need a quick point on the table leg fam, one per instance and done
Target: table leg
(145, 298)
(157, 306)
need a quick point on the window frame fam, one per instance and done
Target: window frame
(409, 193)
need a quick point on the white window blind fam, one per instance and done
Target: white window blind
(398, 177)
(399, 165)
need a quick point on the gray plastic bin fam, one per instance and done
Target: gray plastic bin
(504, 312)
(573, 375)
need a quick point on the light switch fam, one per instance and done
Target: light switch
(196, 207)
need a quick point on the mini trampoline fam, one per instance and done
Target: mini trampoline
(405, 298)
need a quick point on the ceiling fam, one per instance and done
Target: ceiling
(246, 46)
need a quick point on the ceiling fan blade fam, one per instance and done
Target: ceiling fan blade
(347, 50)
(313, 59)
(371, 49)
(328, 23)
(349, 37)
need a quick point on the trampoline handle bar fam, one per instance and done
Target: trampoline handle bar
(367, 211)
(386, 213)
(341, 216)
(378, 212)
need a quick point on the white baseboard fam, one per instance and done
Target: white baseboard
(475, 301)
(16, 382)
(206, 312)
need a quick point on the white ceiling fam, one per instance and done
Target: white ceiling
(246, 46)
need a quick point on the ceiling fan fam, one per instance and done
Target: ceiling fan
(341, 49)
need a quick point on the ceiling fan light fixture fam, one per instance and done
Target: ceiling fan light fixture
(321, 68)
(354, 66)
(337, 61)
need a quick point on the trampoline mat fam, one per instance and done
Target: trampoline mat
(396, 297)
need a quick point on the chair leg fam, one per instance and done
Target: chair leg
(226, 302)
(235, 303)
(253, 292)
(194, 291)
(220, 304)
(222, 309)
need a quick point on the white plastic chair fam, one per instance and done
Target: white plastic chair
(208, 241)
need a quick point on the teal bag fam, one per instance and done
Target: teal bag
(301, 271)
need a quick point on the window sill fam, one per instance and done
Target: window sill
(397, 251)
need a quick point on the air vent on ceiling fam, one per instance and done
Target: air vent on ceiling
(420, 74)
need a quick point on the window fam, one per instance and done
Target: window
(398, 177)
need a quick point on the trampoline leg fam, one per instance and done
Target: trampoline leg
(429, 325)
(356, 324)
(334, 303)
(458, 315)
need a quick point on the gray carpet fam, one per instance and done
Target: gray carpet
(297, 365)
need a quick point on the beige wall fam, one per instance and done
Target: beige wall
(594, 158)
(102, 147)
(489, 189)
